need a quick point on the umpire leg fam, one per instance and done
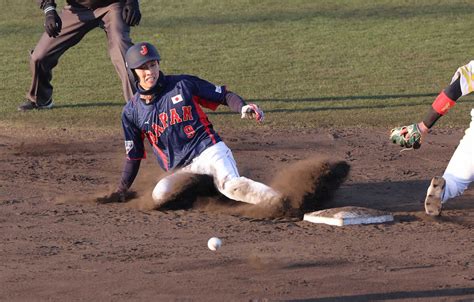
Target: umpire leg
(76, 23)
(118, 36)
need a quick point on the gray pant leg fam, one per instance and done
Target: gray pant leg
(45, 56)
(118, 36)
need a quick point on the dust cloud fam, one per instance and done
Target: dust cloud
(306, 185)
(310, 184)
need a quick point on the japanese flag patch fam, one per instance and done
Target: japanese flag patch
(177, 98)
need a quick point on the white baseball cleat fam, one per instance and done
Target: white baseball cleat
(433, 200)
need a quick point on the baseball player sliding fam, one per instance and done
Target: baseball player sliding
(167, 111)
(64, 30)
(460, 170)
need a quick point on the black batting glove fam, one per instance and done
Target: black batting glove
(131, 13)
(52, 23)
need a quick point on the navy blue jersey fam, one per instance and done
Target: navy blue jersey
(174, 123)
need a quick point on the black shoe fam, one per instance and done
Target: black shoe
(29, 105)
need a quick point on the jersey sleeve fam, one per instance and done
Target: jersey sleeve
(466, 76)
(208, 94)
(134, 147)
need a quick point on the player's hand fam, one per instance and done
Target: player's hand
(131, 13)
(52, 22)
(407, 136)
(117, 196)
(252, 111)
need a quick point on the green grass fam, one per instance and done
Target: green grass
(308, 63)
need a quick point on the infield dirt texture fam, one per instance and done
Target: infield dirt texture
(58, 245)
(332, 76)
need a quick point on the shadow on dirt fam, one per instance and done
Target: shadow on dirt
(398, 196)
(446, 293)
(315, 184)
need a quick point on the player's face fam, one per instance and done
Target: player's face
(148, 74)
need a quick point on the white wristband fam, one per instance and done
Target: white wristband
(48, 9)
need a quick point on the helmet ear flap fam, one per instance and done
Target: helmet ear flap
(132, 76)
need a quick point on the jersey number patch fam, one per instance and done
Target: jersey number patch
(189, 130)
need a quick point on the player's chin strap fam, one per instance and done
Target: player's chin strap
(153, 90)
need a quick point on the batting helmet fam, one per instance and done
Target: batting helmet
(140, 53)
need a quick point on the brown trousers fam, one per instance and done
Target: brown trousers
(77, 22)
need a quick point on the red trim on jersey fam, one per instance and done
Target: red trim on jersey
(203, 117)
(160, 153)
(205, 103)
(443, 103)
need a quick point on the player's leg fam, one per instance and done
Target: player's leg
(458, 174)
(119, 41)
(456, 177)
(219, 162)
(250, 191)
(76, 23)
(164, 189)
(460, 170)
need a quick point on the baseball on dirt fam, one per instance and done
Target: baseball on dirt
(214, 243)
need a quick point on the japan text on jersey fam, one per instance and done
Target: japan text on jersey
(174, 123)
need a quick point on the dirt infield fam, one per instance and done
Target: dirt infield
(58, 245)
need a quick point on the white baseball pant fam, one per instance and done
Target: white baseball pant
(218, 162)
(460, 170)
